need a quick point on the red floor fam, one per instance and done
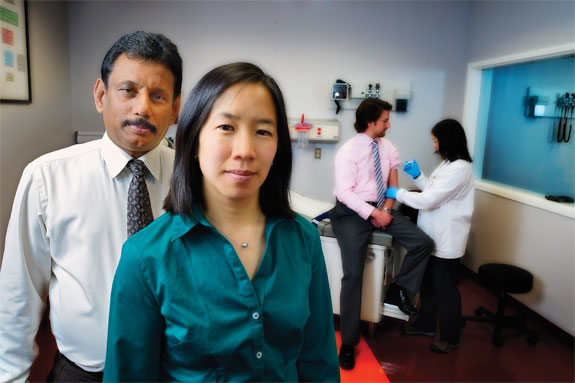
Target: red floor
(367, 367)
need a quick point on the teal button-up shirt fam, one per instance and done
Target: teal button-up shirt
(184, 309)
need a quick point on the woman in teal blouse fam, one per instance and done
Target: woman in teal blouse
(229, 284)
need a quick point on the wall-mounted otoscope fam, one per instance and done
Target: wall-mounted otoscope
(566, 106)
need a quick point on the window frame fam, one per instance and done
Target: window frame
(471, 122)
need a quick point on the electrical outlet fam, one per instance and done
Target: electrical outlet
(317, 153)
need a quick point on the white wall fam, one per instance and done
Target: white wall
(508, 231)
(305, 46)
(29, 130)
(501, 28)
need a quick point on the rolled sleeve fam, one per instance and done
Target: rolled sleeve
(435, 195)
(392, 154)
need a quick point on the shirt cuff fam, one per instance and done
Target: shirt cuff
(365, 211)
(399, 195)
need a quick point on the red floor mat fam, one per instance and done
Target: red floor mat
(367, 368)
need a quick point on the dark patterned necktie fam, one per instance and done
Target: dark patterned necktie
(378, 175)
(139, 207)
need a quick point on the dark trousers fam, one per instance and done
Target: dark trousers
(353, 233)
(65, 370)
(440, 299)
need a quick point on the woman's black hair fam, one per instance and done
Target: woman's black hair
(148, 46)
(452, 143)
(186, 186)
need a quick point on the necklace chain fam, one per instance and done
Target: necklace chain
(244, 244)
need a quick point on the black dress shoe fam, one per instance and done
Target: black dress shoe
(347, 357)
(405, 305)
(398, 296)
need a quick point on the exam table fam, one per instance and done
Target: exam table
(382, 263)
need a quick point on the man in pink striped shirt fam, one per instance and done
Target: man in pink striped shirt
(356, 215)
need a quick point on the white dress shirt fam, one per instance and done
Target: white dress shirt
(445, 206)
(64, 240)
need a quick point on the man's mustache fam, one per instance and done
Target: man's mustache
(140, 121)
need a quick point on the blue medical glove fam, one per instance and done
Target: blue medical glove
(412, 169)
(391, 192)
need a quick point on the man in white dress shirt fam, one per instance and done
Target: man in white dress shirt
(69, 217)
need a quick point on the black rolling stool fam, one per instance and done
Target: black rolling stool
(505, 279)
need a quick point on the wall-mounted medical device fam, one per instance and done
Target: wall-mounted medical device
(402, 97)
(537, 105)
(566, 105)
(555, 103)
(322, 131)
(340, 91)
(398, 94)
(546, 102)
(372, 90)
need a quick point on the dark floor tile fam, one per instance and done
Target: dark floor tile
(408, 358)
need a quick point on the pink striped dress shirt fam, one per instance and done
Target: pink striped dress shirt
(355, 183)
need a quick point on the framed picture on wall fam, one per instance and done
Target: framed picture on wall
(15, 84)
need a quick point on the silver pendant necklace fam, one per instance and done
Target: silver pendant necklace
(244, 244)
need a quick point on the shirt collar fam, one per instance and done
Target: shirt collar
(183, 224)
(116, 159)
(364, 139)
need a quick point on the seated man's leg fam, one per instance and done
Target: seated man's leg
(418, 245)
(352, 233)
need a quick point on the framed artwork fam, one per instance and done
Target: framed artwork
(15, 84)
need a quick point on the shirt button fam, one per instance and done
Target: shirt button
(259, 354)
(256, 315)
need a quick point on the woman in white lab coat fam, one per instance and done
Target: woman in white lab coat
(445, 206)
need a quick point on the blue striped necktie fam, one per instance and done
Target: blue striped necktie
(378, 176)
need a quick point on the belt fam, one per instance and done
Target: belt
(89, 375)
(374, 204)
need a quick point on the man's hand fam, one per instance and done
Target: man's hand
(380, 218)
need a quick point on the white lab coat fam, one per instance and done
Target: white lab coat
(445, 206)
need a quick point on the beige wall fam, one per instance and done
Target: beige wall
(29, 130)
(541, 242)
